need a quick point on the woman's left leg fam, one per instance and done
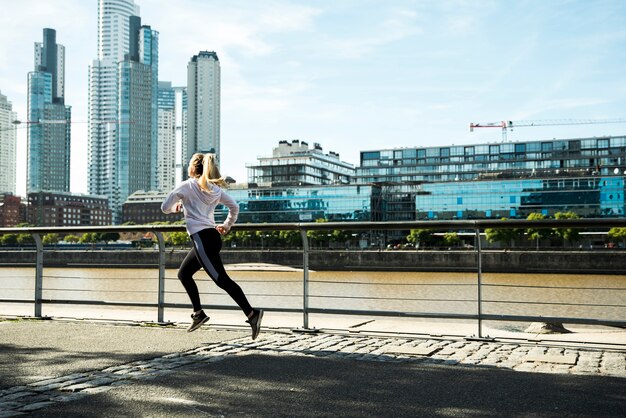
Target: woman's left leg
(207, 245)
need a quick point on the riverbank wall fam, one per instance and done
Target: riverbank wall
(504, 261)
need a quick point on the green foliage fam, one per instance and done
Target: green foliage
(50, 239)
(617, 234)
(178, 238)
(71, 238)
(290, 238)
(340, 236)
(420, 236)
(24, 239)
(502, 235)
(568, 234)
(242, 237)
(108, 236)
(89, 238)
(538, 233)
(318, 236)
(451, 238)
(8, 239)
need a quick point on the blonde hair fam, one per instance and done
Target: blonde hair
(196, 164)
(210, 173)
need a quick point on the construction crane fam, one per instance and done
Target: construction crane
(506, 125)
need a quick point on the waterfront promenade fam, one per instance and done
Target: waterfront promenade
(103, 369)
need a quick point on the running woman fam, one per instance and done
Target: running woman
(197, 197)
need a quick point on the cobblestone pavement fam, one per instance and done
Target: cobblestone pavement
(19, 400)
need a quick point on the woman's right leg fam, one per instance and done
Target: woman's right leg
(187, 269)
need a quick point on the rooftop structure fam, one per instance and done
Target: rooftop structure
(294, 163)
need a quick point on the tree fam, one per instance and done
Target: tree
(50, 239)
(538, 233)
(243, 237)
(420, 236)
(291, 238)
(89, 238)
(504, 236)
(617, 234)
(451, 239)
(319, 236)
(179, 238)
(567, 234)
(71, 238)
(25, 239)
(108, 236)
(8, 239)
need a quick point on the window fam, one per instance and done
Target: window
(373, 155)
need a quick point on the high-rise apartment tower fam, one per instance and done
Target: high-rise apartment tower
(123, 85)
(49, 120)
(172, 121)
(8, 144)
(203, 90)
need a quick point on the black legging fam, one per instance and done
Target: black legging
(206, 254)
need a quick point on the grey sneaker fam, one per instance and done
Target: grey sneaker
(197, 320)
(255, 322)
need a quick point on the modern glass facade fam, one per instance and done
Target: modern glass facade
(138, 136)
(509, 180)
(306, 204)
(114, 46)
(49, 129)
(586, 196)
(568, 157)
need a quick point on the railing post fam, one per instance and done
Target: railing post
(479, 268)
(38, 274)
(160, 308)
(305, 279)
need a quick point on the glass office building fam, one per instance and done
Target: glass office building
(583, 175)
(49, 129)
(586, 196)
(573, 157)
(306, 204)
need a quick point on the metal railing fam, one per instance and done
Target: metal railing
(477, 226)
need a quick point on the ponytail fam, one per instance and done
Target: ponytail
(211, 174)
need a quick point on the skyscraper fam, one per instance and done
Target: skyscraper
(8, 144)
(203, 90)
(172, 105)
(49, 120)
(137, 116)
(123, 85)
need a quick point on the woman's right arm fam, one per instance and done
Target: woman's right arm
(172, 204)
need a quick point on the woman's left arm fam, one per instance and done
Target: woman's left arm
(233, 211)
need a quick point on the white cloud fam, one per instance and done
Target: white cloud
(398, 25)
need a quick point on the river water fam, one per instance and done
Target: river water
(560, 295)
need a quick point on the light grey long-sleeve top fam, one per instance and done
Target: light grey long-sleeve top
(199, 205)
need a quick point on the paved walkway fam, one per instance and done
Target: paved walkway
(74, 368)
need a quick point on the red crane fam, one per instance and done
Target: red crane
(509, 124)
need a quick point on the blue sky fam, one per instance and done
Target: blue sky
(354, 75)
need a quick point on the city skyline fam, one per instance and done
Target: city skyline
(354, 76)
